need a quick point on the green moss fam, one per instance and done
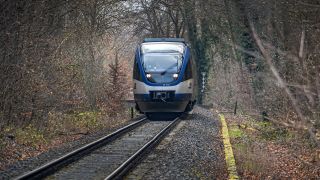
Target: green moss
(262, 124)
(235, 132)
(88, 119)
(276, 133)
(269, 131)
(74, 122)
(29, 136)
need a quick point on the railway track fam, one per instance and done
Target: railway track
(110, 157)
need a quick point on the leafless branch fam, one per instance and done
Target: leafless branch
(282, 83)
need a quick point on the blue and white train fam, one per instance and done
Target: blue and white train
(164, 76)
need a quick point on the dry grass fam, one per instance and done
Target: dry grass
(266, 151)
(23, 143)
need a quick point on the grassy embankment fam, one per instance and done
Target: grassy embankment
(19, 143)
(265, 150)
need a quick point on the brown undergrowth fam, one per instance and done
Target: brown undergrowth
(264, 150)
(23, 143)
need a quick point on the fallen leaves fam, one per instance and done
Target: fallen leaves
(275, 158)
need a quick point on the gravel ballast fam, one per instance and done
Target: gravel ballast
(193, 150)
(103, 161)
(24, 166)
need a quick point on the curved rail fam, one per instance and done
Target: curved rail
(133, 160)
(56, 164)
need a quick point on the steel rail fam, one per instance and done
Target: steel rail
(125, 167)
(56, 164)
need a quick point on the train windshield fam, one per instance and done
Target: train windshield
(162, 62)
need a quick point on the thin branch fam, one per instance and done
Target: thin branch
(303, 35)
(251, 53)
(282, 83)
(309, 4)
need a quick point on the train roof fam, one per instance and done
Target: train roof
(164, 40)
(162, 47)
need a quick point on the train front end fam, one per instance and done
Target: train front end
(163, 76)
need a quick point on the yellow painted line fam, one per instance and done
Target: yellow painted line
(230, 161)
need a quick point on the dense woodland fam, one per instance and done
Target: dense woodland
(65, 56)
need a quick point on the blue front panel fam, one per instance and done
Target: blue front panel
(177, 97)
(142, 97)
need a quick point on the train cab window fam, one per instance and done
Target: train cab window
(161, 62)
(162, 67)
(188, 72)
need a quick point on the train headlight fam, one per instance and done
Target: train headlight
(175, 76)
(148, 75)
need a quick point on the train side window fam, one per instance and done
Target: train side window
(188, 72)
(136, 71)
(190, 68)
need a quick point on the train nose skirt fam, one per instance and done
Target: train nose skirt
(166, 96)
(162, 106)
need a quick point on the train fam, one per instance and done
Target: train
(164, 77)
